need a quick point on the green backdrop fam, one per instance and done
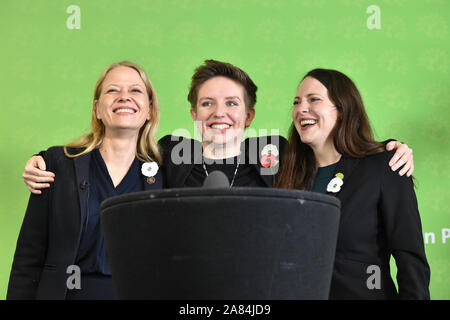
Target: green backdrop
(397, 53)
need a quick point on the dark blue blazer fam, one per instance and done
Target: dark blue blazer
(51, 231)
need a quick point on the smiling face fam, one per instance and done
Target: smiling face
(221, 114)
(124, 102)
(314, 114)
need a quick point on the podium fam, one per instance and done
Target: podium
(221, 243)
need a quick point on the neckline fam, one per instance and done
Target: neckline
(126, 177)
(238, 159)
(328, 166)
(229, 160)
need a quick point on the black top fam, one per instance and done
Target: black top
(92, 257)
(323, 177)
(246, 175)
(182, 158)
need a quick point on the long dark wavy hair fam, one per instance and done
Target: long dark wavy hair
(352, 135)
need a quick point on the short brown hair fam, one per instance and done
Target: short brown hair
(214, 68)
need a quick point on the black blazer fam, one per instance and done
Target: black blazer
(379, 217)
(180, 154)
(51, 231)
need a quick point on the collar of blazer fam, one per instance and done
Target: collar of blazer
(81, 165)
(345, 166)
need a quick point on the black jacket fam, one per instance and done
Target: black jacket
(379, 217)
(51, 231)
(181, 154)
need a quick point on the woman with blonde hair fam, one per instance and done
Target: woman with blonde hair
(61, 234)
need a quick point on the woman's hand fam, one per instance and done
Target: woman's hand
(35, 176)
(403, 157)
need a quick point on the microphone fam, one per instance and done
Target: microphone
(216, 179)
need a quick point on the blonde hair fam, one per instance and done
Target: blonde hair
(147, 147)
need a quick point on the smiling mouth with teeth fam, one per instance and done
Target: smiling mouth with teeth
(124, 110)
(305, 123)
(220, 126)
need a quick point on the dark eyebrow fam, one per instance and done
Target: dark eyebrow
(309, 95)
(234, 97)
(209, 98)
(205, 98)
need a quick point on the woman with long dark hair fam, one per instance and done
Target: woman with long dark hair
(331, 150)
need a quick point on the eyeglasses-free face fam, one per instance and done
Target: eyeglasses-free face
(314, 114)
(221, 114)
(124, 103)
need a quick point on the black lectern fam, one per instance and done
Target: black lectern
(238, 243)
